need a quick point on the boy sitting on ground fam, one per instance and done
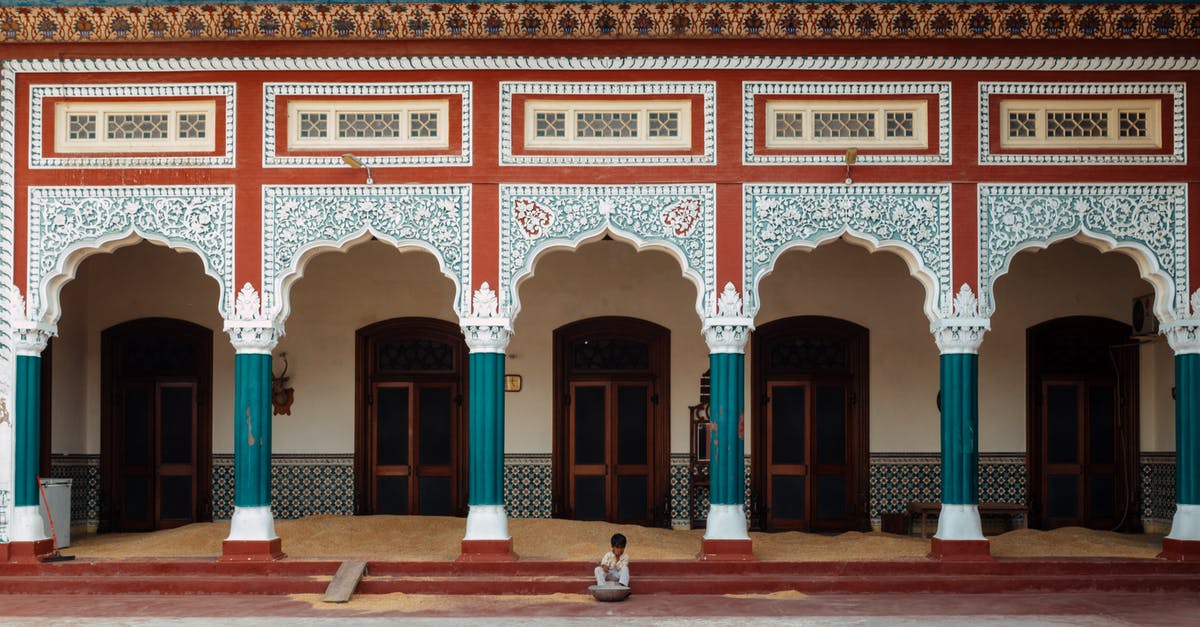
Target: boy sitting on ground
(614, 566)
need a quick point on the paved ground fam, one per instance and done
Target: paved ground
(1090, 608)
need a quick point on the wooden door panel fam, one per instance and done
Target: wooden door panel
(590, 489)
(176, 454)
(433, 437)
(632, 442)
(135, 435)
(390, 445)
(788, 445)
(831, 484)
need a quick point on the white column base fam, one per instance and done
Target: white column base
(487, 522)
(27, 525)
(726, 522)
(252, 523)
(959, 522)
(1186, 523)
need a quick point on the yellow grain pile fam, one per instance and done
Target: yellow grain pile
(425, 538)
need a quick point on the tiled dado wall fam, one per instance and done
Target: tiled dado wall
(309, 484)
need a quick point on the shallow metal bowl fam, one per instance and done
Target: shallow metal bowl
(609, 592)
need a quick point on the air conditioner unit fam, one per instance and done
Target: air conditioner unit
(1142, 318)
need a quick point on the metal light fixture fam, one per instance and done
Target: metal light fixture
(355, 162)
(851, 157)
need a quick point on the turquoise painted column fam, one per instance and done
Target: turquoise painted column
(252, 531)
(959, 334)
(1183, 542)
(487, 523)
(726, 334)
(30, 340)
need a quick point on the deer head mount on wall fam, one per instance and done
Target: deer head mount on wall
(281, 395)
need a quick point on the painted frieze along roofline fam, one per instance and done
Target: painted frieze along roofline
(300, 222)
(677, 219)
(1146, 221)
(750, 89)
(194, 20)
(271, 142)
(69, 224)
(912, 221)
(624, 63)
(1177, 131)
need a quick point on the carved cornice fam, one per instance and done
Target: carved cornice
(487, 335)
(253, 336)
(375, 21)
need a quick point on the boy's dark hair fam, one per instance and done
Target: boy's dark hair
(618, 540)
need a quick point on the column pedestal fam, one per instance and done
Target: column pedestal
(960, 550)
(26, 552)
(252, 550)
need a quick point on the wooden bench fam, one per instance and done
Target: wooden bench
(925, 508)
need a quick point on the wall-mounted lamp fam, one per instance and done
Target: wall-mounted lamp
(355, 162)
(281, 395)
(851, 157)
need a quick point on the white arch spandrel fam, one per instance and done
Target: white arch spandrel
(1146, 222)
(301, 222)
(676, 219)
(912, 221)
(69, 224)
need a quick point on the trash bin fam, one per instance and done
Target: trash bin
(58, 495)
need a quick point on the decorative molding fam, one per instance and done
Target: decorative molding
(960, 328)
(551, 63)
(678, 219)
(808, 156)
(1111, 156)
(1183, 333)
(30, 338)
(911, 220)
(67, 222)
(826, 20)
(253, 336)
(248, 306)
(485, 303)
(271, 142)
(301, 221)
(1146, 221)
(727, 335)
(707, 89)
(487, 335)
(729, 303)
(38, 133)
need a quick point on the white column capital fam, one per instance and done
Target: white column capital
(30, 337)
(956, 334)
(726, 334)
(1183, 334)
(253, 336)
(487, 335)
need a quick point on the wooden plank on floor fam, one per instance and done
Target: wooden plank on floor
(344, 582)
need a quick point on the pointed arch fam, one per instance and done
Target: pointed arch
(300, 223)
(675, 219)
(1147, 223)
(70, 224)
(912, 221)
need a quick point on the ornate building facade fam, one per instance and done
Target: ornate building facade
(602, 261)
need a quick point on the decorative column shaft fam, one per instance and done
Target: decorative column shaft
(726, 339)
(252, 531)
(1183, 543)
(487, 339)
(958, 335)
(30, 340)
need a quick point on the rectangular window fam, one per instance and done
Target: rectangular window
(608, 124)
(129, 126)
(370, 124)
(1080, 123)
(829, 124)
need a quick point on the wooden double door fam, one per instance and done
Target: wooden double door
(156, 425)
(1082, 424)
(411, 453)
(809, 467)
(611, 426)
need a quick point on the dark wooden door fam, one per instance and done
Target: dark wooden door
(156, 425)
(610, 453)
(809, 480)
(611, 431)
(1082, 425)
(1079, 458)
(412, 436)
(809, 462)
